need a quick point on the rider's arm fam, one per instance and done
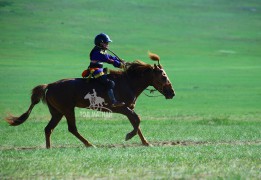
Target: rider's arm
(115, 61)
(107, 58)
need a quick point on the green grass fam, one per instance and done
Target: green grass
(203, 149)
(211, 52)
(138, 162)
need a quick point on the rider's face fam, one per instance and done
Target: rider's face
(105, 45)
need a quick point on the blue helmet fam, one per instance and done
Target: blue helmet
(101, 38)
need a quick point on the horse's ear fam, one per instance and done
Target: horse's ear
(157, 67)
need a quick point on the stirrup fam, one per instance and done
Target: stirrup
(118, 104)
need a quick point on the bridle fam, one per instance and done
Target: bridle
(151, 91)
(160, 89)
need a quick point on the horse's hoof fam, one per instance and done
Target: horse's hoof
(147, 144)
(90, 146)
(128, 137)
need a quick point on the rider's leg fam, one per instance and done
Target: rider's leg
(109, 84)
(111, 96)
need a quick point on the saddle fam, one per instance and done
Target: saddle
(87, 73)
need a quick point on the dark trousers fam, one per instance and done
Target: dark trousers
(109, 85)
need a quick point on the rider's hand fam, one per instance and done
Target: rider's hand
(122, 65)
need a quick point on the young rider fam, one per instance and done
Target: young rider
(98, 56)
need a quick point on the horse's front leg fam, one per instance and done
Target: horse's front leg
(143, 139)
(130, 135)
(135, 121)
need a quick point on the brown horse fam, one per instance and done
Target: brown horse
(63, 96)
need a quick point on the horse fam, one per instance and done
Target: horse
(64, 95)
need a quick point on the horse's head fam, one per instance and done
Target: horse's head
(161, 82)
(87, 96)
(154, 75)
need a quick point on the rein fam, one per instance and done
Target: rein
(151, 92)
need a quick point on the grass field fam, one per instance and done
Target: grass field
(211, 51)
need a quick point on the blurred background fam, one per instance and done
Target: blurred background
(210, 50)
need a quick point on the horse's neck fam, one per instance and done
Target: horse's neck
(138, 85)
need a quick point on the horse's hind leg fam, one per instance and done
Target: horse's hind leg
(70, 116)
(56, 117)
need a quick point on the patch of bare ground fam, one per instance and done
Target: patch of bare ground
(153, 144)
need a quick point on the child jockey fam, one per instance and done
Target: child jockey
(98, 56)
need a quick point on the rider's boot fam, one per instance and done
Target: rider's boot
(115, 103)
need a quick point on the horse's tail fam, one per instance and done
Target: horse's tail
(38, 93)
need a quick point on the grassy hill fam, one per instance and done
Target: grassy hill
(210, 50)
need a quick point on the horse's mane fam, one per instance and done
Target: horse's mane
(133, 68)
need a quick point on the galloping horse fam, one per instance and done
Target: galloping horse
(64, 95)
